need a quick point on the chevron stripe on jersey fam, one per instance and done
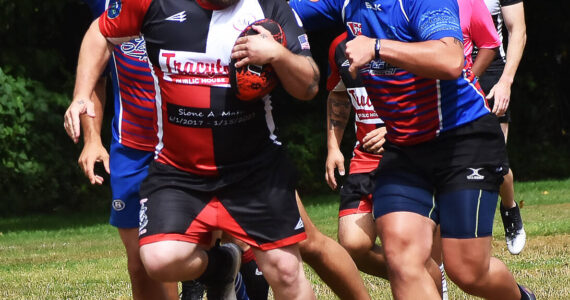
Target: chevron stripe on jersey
(202, 127)
(133, 91)
(135, 112)
(415, 109)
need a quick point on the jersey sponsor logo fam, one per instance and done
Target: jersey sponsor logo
(475, 174)
(114, 9)
(345, 63)
(304, 41)
(244, 21)
(178, 17)
(143, 219)
(373, 6)
(118, 204)
(363, 109)
(183, 67)
(380, 67)
(355, 28)
(135, 48)
(300, 224)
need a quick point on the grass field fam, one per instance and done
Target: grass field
(81, 256)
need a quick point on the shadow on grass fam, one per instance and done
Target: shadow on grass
(53, 221)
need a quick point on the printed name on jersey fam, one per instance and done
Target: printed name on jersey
(373, 6)
(304, 41)
(355, 28)
(178, 17)
(114, 9)
(182, 67)
(135, 48)
(205, 117)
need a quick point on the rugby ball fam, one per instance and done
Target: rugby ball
(252, 82)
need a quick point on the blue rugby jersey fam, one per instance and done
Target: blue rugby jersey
(134, 122)
(415, 109)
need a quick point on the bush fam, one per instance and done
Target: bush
(38, 168)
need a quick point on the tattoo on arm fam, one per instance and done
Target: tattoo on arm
(339, 111)
(458, 42)
(316, 76)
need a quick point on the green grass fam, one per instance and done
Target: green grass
(81, 256)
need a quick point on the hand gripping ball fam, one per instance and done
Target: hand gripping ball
(252, 82)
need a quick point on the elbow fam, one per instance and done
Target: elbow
(310, 93)
(453, 69)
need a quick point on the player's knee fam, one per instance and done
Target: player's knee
(156, 264)
(312, 246)
(135, 267)
(467, 277)
(354, 246)
(287, 273)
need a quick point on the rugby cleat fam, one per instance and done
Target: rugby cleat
(224, 288)
(514, 230)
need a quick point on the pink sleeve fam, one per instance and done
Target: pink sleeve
(123, 18)
(483, 31)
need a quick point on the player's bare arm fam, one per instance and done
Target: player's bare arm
(93, 57)
(90, 91)
(516, 26)
(93, 149)
(441, 59)
(338, 113)
(298, 75)
(483, 60)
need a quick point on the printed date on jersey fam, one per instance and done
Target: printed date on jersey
(206, 117)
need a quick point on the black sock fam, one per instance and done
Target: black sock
(255, 284)
(217, 264)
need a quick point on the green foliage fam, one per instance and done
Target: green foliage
(37, 171)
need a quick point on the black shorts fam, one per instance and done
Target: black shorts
(414, 178)
(356, 194)
(260, 208)
(487, 80)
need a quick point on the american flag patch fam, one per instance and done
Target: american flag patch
(304, 40)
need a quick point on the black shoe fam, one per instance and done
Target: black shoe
(514, 230)
(526, 294)
(224, 287)
(192, 290)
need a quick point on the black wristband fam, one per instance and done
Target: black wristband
(377, 49)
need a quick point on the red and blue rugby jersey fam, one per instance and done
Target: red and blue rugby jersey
(202, 127)
(415, 109)
(365, 117)
(133, 92)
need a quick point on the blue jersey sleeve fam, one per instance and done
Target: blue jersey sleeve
(97, 7)
(434, 19)
(317, 15)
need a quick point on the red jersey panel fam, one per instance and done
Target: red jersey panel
(365, 117)
(202, 127)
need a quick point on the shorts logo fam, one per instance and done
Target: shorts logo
(143, 219)
(299, 224)
(475, 174)
(114, 9)
(118, 204)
